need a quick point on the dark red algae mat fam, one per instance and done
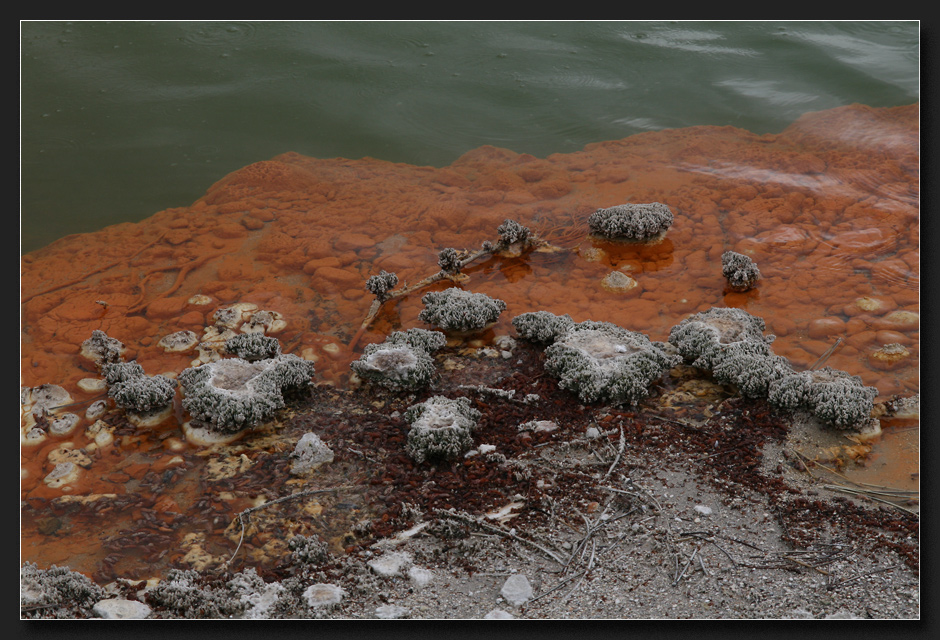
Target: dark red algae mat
(367, 433)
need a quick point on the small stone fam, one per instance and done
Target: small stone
(391, 612)
(323, 595)
(702, 509)
(96, 409)
(179, 342)
(63, 424)
(420, 577)
(92, 385)
(890, 356)
(517, 589)
(499, 614)
(120, 609)
(64, 473)
(390, 564)
(619, 282)
(309, 454)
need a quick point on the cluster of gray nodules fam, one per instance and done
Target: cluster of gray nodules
(739, 270)
(440, 428)
(731, 344)
(460, 311)
(631, 222)
(185, 594)
(381, 284)
(511, 232)
(233, 394)
(43, 588)
(132, 389)
(833, 396)
(599, 361)
(253, 346)
(103, 349)
(308, 550)
(403, 361)
(449, 261)
(543, 327)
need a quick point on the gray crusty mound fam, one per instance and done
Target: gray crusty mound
(631, 222)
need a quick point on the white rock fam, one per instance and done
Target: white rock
(486, 448)
(390, 564)
(499, 614)
(391, 611)
(310, 453)
(591, 433)
(120, 609)
(701, 508)
(517, 589)
(420, 577)
(323, 595)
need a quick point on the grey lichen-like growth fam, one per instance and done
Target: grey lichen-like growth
(102, 349)
(403, 361)
(602, 362)
(308, 550)
(739, 270)
(751, 367)
(57, 592)
(440, 428)
(511, 232)
(186, 595)
(701, 337)
(132, 389)
(542, 326)
(460, 311)
(232, 394)
(631, 222)
(449, 261)
(380, 285)
(253, 346)
(731, 344)
(835, 397)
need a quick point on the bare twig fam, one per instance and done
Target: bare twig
(246, 514)
(822, 359)
(685, 568)
(836, 585)
(620, 448)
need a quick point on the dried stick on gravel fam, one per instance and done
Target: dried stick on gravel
(620, 449)
(497, 530)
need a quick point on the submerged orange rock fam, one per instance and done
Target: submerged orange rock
(827, 209)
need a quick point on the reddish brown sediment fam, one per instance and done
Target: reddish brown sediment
(828, 210)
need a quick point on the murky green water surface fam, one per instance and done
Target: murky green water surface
(124, 119)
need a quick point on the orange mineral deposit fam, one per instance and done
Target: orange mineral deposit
(827, 209)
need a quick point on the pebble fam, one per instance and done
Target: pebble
(390, 564)
(391, 612)
(499, 614)
(420, 577)
(517, 589)
(120, 609)
(323, 595)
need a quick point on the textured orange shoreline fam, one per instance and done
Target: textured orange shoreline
(828, 210)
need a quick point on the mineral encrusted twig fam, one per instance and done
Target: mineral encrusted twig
(514, 239)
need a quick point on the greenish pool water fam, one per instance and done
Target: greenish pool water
(120, 120)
